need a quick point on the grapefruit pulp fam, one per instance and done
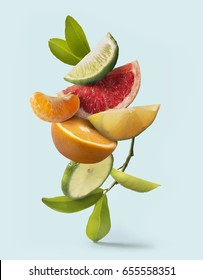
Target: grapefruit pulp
(116, 90)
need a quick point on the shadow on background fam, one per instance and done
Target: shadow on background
(128, 245)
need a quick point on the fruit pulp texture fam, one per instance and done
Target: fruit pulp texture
(87, 177)
(125, 123)
(107, 93)
(79, 141)
(96, 64)
(54, 109)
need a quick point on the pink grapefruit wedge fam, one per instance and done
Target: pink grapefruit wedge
(116, 90)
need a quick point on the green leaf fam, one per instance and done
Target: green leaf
(75, 37)
(132, 183)
(99, 222)
(65, 204)
(61, 50)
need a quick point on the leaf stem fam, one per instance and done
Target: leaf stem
(125, 164)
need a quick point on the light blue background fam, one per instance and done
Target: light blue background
(166, 38)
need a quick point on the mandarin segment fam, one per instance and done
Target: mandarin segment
(54, 109)
(79, 141)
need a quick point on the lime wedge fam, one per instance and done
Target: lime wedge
(81, 179)
(96, 64)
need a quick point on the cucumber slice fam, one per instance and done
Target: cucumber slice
(81, 179)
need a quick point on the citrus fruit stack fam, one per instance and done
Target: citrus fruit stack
(88, 119)
(77, 137)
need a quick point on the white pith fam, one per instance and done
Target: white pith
(135, 87)
(83, 140)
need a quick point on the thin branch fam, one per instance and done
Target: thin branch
(125, 164)
(130, 155)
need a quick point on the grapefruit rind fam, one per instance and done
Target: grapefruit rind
(135, 87)
(96, 64)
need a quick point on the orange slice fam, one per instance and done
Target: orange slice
(79, 141)
(54, 109)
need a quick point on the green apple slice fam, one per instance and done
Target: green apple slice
(81, 179)
(96, 64)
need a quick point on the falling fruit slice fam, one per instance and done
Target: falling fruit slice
(117, 90)
(54, 109)
(99, 223)
(131, 182)
(79, 141)
(80, 179)
(121, 124)
(65, 204)
(96, 64)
